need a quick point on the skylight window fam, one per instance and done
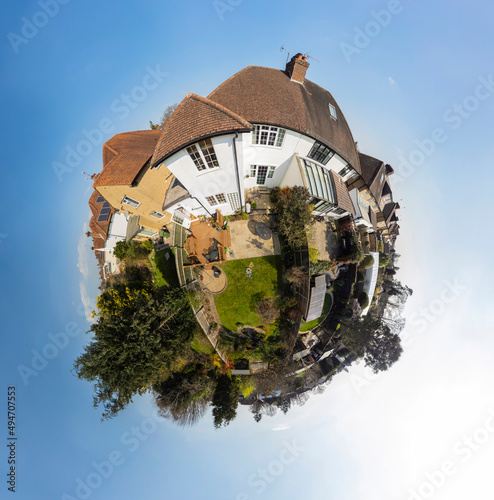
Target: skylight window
(332, 112)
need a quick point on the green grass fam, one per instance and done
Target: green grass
(305, 327)
(164, 271)
(200, 343)
(237, 304)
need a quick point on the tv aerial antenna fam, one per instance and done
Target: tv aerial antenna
(290, 52)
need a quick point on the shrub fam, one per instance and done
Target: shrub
(313, 254)
(253, 205)
(384, 259)
(368, 261)
(294, 215)
(148, 244)
(320, 266)
(367, 243)
(363, 300)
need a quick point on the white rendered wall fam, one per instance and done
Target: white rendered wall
(209, 182)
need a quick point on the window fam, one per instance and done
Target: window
(233, 200)
(266, 135)
(178, 218)
(345, 171)
(104, 212)
(261, 172)
(203, 154)
(320, 153)
(130, 201)
(216, 199)
(332, 112)
(158, 215)
(100, 199)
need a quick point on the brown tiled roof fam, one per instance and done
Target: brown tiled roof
(196, 118)
(372, 171)
(343, 199)
(267, 95)
(99, 229)
(124, 155)
(389, 211)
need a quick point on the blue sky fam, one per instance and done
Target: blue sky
(373, 438)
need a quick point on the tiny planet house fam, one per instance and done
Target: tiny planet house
(262, 128)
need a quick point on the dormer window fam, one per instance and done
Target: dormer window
(265, 135)
(203, 154)
(332, 112)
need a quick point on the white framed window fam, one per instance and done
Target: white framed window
(178, 218)
(216, 199)
(332, 112)
(130, 202)
(203, 155)
(346, 170)
(234, 201)
(261, 173)
(158, 215)
(265, 135)
(320, 153)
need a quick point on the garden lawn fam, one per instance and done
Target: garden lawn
(164, 271)
(305, 327)
(238, 303)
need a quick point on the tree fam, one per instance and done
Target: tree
(225, 400)
(294, 215)
(372, 339)
(164, 118)
(184, 396)
(131, 349)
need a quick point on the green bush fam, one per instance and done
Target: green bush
(132, 251)
(384, 259)
(368, 261)
(320, 266)
(148, 244)
(363, 300)
(253, 205)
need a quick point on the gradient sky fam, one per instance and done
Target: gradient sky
(372, 438)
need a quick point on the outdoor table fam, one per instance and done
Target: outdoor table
(263, 231)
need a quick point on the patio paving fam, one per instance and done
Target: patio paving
(326, 241)
(210, 282)
(247, 244)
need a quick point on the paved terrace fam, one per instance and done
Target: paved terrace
(249, 241)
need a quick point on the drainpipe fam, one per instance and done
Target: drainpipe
(198, 201)
(236, 167)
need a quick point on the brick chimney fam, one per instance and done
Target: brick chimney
(296, 68)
